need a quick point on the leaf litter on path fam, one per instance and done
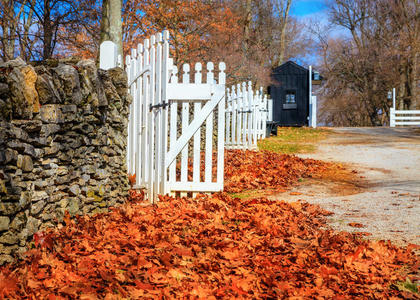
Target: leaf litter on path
(212, 247)
(246, 170)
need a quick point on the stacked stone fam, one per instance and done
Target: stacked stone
(63, 128)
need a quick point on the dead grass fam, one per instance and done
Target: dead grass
(257, 193)
(290, 140)
(343, 180)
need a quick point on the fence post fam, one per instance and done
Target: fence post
(392, 117)
(265, 117)
(310, 97)
(392, 110)
(313, 112)
(108, 55)
(270, 110)
(393, 99)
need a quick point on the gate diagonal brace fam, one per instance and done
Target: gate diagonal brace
(190, 131)
(163, 105)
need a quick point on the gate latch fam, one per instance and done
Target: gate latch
(163, 105)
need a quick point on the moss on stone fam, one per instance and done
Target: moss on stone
(3, 188)
(92, 194)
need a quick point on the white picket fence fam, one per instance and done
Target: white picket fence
(246, 117)
(166, 148)
(402, 117)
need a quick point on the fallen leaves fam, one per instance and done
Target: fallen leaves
(214, 247)
(246, 170)
(208, 247)
(356, 225)
(132, 179)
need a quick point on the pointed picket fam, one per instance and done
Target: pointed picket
(197, 135)
(228, 114)
(138, 113)
(152, 145)
(184, 124)
(158, 113)
(221, 126)
(239, 115)
(130, 121)
(167, 64)
(234, 117)
(210, 74)
(209, 149)
(244, 115)
(133, 88)
(146, 116)
(222, 74)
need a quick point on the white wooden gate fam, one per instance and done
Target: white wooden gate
(167, 119)
(246, 117)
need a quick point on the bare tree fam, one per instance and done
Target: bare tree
(32, 28)
(10, 14)
(270, 36)
(381, 53)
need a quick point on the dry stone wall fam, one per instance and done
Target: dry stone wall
(62, 145)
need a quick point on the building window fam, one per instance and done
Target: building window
(290, 97)
(290, 100)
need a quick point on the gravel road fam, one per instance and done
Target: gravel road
(386, 201)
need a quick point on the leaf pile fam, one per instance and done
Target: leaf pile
(245, 170)
(210, 247)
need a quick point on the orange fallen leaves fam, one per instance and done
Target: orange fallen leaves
(246, 170)
(210, 247)
(295, 194)
(132, 179)
(356, 225)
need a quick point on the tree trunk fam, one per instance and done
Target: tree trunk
(415, 102)
(48, 31)
(111, 24)
(8, 28)
(401, 89)
(26, 44)
(283, 32)
(247, 25)
(414, 80)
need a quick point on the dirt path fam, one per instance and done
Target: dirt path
(386, 200)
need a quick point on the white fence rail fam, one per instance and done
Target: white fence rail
(172, 124)
(402, 117)
(246, 117)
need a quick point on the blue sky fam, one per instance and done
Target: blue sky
(306, 8)
(313, 13)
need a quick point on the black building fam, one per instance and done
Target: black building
(290, 94)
